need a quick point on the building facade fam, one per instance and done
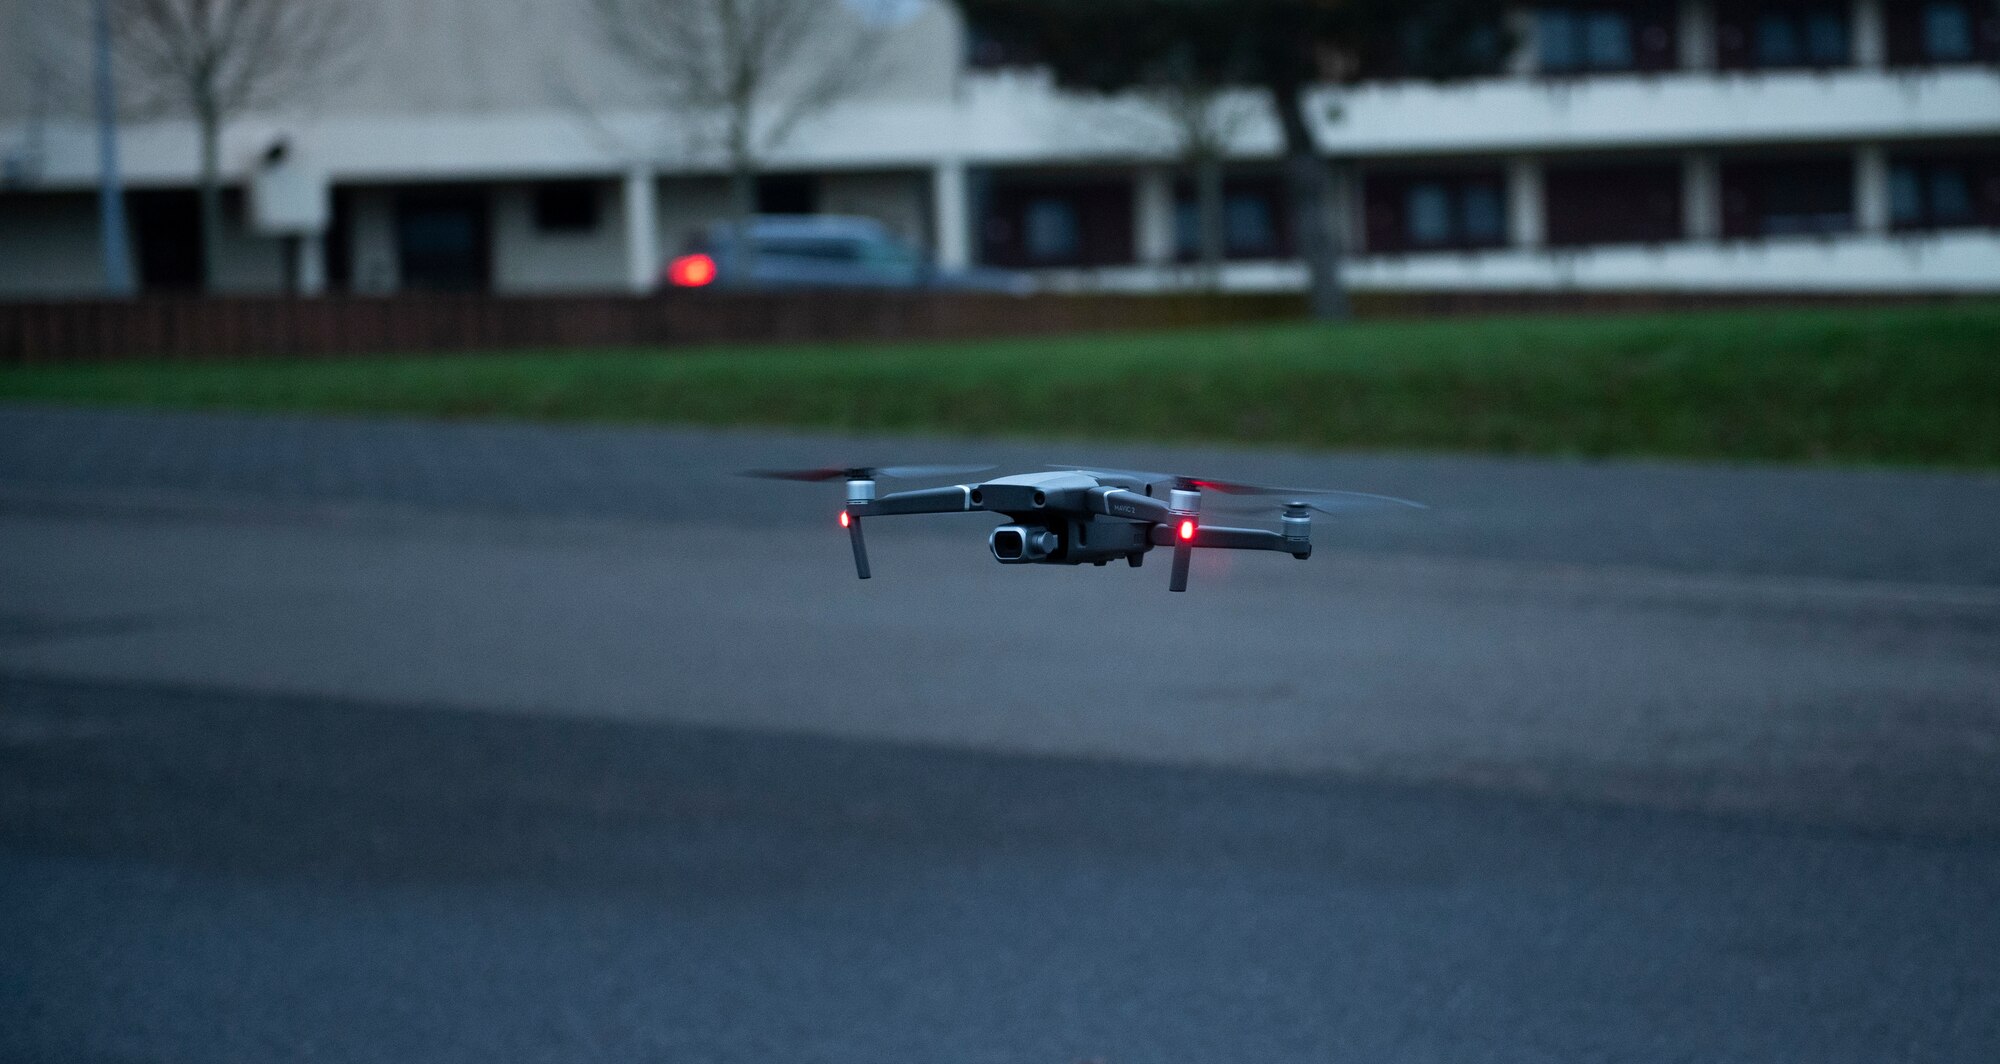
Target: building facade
(1654, 145)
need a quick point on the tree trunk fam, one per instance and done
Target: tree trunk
(742, 191)
(1311, 187)
(210, 196)
(1208, 209)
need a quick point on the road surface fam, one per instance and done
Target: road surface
(399, 741)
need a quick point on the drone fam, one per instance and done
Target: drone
(1074, 515)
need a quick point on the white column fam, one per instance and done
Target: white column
(309, 268)
(1349, 212)
(951, 223)
(1701, 196)
(373, 250)
(1153, 206)
(1527, 57)
(1527, 220)
(642, 230)
(1871, 43)
(1871, 189)
(1697, 35)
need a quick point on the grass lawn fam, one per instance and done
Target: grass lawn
(1916, 385)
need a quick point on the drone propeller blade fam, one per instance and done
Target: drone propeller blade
(905, 472)
(920, 472)
(811, 476)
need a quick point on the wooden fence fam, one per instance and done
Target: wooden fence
(190, 329)
(196, 329)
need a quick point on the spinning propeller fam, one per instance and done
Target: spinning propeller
(861, 491)
(900, 472)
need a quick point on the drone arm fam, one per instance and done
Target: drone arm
(1219, 538)
(952, 500)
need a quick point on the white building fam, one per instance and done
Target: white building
(1673, 145)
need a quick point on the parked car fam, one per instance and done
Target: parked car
(820, 251)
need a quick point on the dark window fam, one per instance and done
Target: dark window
(1788, 198)
(1057, 222)
(166, 238)
(1613, 204)
(1944, 192)
(1603, 38)
(1942, 31)
(442, 241)
(1050, 229)
(1254, 220)
(986, 50)
(787, 194)
(1778, 36)
(566, 207)
(1442, 211)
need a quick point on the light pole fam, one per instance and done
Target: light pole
(110, 189)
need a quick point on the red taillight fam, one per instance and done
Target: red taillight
(692, 271)
(1187, 530)
(844, 519)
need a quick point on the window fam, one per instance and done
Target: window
(1942, 31)
(1438, 211)
(1944, 192)
(442, 240)
(1032, 220)
(566, 207)
(1790, 39)
(1429, 217)
(1783, 36)
(1947, 32)
(1052, 231)
(1627, 203)
(1789, 198)
(1573, 40)
(1253, 220)
(787, 194)
(1602, 38)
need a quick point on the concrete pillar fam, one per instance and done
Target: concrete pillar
(1697, 35)
(1153, 210)
(1871, 42)
(377, 269)
(1871, 189)
(1701, 196)
(951, 221)
(1349, 212)
(1527, 218)
(642, 230)
(309, 268)
(1527, 58)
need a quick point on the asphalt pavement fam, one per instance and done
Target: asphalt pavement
(354, 740)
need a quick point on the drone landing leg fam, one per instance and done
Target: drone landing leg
(860, 548)
(1185, 503)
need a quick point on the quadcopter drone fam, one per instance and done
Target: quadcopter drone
(1079, 516)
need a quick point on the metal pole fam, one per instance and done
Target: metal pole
(110, 188)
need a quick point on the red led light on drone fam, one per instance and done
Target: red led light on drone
(692, 271)
(845, 520)
(1187, 530)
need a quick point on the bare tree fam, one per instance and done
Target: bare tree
(214, 60)
(1204, 119)
(745, 73)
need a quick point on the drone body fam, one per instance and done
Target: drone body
(1081, 516)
